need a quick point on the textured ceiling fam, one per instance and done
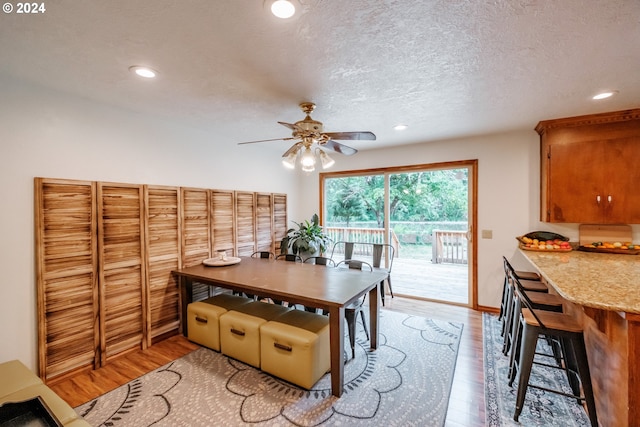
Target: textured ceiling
(447, 68)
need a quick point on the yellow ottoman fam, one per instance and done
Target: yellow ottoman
(295, 347)
(203, 317)
(240, 330)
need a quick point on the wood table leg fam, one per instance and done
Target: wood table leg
(186, 297)
(336, 338)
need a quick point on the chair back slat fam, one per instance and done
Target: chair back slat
(524, 298)
(320, 260)
(355, 264)
(263, 254)
(289, 257)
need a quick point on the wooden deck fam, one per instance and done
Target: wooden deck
(423, 279)
(420, 278)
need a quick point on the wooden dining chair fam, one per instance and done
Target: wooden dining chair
(351, 311)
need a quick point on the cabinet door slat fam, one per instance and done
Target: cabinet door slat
(162, 212)
(66, 275)
(196, 232)
(122, 271)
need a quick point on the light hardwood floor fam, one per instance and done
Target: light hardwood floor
(466, 405)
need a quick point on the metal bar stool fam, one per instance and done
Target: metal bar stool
(508, 318)
(521, 275)
(558, 326)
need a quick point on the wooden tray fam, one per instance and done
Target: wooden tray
(590, 233)
(525, 248)
(610, 250)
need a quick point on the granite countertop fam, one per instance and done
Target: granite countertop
(604, 281)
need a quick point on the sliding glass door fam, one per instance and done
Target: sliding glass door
(430, 222)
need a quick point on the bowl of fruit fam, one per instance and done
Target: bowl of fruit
(544, 241)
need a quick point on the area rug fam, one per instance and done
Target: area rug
(541, 408)
(405, 382)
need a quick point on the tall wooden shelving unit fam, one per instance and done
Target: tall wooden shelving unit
(105, 252)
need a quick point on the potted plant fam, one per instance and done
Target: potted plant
(308, 239)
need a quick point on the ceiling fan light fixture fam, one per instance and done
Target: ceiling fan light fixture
(307, 159)
(325, 160)
(290, 161)
(283, 9)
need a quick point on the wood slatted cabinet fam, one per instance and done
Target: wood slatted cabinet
(223, 221)
(245, 223)
(162, 232)
(196, 232)
(66, 276)
(264, 222)
(589, 170)
(279, 212)
(104, 256)
(121, 255)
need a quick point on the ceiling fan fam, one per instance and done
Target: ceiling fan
(310, 132)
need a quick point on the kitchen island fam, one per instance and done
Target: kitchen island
(604, 291)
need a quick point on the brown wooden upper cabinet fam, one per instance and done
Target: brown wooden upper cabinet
(590, 168)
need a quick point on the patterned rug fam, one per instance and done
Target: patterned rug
(405, 382)
(541, 408)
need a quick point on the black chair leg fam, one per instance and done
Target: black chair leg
(527, 352)
(390, 287)
(515, 353)
(351, 324)
(580, 352)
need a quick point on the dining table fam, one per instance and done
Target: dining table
(326, 288)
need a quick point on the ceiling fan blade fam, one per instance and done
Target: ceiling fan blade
(339, 148)
(353, 136)
(266, 140)
(289, 125)
(295, 147)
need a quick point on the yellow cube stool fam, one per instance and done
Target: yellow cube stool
(295, 347)
(240, 330)
(203, 317)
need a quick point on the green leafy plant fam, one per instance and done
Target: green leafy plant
(308, 237)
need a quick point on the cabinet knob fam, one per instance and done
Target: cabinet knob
(598, 199)
(609, 198)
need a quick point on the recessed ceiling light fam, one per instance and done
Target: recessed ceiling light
(604, 95)
(145, 72)
(283, 9)
(400, 127)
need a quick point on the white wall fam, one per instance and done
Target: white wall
(508, 194)
(508, 182)
(49, 134)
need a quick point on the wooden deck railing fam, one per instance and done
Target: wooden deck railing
(362, 235)
(449, 246)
